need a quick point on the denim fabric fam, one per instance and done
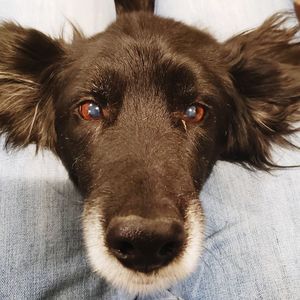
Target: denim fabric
(252, 218)
(252, 239)
(252, 242)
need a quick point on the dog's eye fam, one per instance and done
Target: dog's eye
(90, 110)
(194, 113)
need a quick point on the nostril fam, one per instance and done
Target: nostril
(169, 249)
(124, 248)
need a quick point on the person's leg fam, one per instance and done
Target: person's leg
(252, 239)
(41, 246)
(252, 218)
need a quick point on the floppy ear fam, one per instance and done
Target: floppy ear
(28, 62)
(265, 68)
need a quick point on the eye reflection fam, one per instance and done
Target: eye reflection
(194, 113)
(191, 112)
(89, 110)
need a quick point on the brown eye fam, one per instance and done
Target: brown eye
(90, 110)
(194, 113)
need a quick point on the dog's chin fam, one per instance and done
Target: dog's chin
(133, 282)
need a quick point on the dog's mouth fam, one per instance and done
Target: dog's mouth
(138, 270)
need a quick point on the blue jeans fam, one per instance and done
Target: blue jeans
(252, 245)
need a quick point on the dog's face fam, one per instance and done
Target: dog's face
(138, 115)
(137, 128)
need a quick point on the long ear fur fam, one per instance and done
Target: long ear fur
(27, 64)
(265, 68)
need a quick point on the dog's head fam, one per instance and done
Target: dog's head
(139, 114)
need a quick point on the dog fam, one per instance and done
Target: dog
(139, 114)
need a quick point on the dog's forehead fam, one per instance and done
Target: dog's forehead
(130, 54)
(141, 38)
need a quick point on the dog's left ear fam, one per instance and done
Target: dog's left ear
(264, 65)
(28, 62)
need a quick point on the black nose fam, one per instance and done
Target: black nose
(145, 244)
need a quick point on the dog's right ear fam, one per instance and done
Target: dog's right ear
(125, 6)
(28, 63)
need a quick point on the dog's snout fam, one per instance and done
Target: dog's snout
(144, 244)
